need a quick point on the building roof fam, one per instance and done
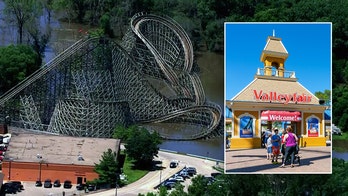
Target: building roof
(29, 146)
(273, 84)
(274, 47)
(327, 115)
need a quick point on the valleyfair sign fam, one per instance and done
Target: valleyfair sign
(282, 98)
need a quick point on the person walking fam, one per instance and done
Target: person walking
(290, 140)
(275, 146)
(263, 135)
(269, 146)
(282, 145)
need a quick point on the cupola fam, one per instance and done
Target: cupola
(273, 56)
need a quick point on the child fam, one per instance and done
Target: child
(275, 146)
(269, 146)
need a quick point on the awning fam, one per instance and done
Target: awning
(274, 115)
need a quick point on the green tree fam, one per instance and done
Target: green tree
(340, 110)
(124, 133)
(107, 168)
(105, 24)
(65, 6)
(198, 186)
(178, 190)
(39, 39)
(142, 146)
(163, 191)
(326, 95)
(48, 6)
(16, 62)
(21, 12)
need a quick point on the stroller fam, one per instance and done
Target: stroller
(288, 160)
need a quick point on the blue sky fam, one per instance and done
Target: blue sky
(308, 45)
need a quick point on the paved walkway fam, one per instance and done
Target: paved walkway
(314, 160)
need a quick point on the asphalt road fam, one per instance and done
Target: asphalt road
(152, 179)
(144, 185)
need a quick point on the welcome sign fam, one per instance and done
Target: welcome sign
(271, 115)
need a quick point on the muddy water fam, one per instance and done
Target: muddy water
(211, 73)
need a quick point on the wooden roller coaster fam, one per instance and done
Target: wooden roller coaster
(97, 84)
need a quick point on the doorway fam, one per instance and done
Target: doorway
(79, 180)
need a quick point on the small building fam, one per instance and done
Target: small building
(37, 156)
(275, 99)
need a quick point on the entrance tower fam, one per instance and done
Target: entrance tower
(274, 56)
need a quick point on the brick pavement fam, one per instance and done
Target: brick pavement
(314, 160)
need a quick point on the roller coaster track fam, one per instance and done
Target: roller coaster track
(136, 22)
(44, 70)
(96, 84)
(139, 19)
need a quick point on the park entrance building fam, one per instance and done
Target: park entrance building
(275, 99)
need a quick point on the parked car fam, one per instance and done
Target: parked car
(169, 184)
(191, 170)
(56, 183)
(38, 183)
(177, 178)
(80, 187)
(19, 185)
(184, 174)
(91, 187)
(67, 184)
(336, 130)
(10, 188)
(48, 183)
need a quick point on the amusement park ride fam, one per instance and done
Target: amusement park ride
(147, 79)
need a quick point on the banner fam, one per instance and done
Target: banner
(313, 127)
(246, 127)
(274, 115)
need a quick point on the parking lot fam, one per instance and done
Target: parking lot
(30, 190)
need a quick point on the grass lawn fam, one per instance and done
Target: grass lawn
(344, 136)
(340, 143)
(132, 174)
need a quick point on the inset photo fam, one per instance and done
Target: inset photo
(278, 98)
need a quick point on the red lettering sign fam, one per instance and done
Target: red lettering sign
(271, 115)
(282, 98)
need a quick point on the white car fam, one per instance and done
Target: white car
(177, 178)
